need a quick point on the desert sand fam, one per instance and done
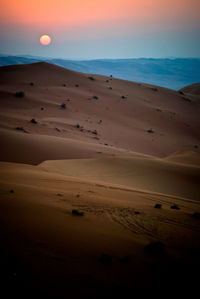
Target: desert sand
(99, 196)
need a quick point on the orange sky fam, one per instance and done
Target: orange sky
(81, 12)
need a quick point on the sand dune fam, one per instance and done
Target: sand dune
(123, 155)
(120, 117)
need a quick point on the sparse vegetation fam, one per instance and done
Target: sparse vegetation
(94, 132)
(175, 207)
(95, 97)
(12, 191)
(137, 213)
(155, 248)
(63, 106)
(196, 146)
(110, 87)
(41, 108)
(196, 215)
(157, 206)
(181, 92)
(31, 83)
(64, 85)
(21, 129)
(155, 89)
(77, 212)
(105, 259)
(107, 81)
(150, 131)
(76, 85)
(91, 78)
(33, 121)
(77, 126)
(20, 94)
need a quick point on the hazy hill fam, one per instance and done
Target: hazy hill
(171, 73)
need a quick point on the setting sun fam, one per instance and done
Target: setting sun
(45, 40)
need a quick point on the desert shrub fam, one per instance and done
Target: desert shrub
(106, 144)
(157, 206)
(196, 146)
(175, 207)
(181, 92)
(107, 81)
(12, 191)
(19, 94)
(155, 89)
(110, 87)
(77, 212)
(64, 85)
(155, 248)
(63, 106)
(137, 213)
(150, 131)
(95, 132)
(105, 259)
(196, 215)
(31, 83)
(91, 78)
(76, 85)
(77, 126)
(41, 108)
(33, 121)
(95, 97)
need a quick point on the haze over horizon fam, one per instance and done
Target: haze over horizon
(101, 29)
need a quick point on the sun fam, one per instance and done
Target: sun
(45, 40)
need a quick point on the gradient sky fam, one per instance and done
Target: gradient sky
(88, 29)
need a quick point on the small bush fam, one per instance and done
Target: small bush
(95, 97)
(110, 87)
(12, 191)
(91, 78)
(107, 81)
(175, 207)
(155, 248)
(33, 121)
(76, 85)
(137, 213)
(64, 85)
(63, 106)
(181, 92)
(150, 131)
(41, 108)
(95, 132)
(105, 259)
(19, 94)
(196, 215)
(21, 129)
(157, 206)
(77, 126)
(155, 89)
(31, 83)
(196, 146)
(106, 144)
(77, 212)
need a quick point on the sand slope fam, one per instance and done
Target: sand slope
(119, 117)
(135, 188)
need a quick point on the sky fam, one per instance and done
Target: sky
(93, 29)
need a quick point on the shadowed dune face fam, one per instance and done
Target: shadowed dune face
(130, 116)
(112, 204)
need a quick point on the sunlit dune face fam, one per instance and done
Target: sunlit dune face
(45, 40)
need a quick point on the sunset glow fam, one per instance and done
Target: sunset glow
(109, 28)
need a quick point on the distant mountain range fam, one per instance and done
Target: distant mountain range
(173, 73)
